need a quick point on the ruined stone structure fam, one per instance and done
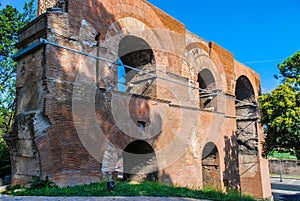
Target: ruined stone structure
(119, 86)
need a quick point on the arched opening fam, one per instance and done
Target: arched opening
(246, 133)
(136, 53)
(206, 80)
(139, 162)
(244, 90)
(211, 166)
(246, 116)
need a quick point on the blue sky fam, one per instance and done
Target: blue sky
(260, 33)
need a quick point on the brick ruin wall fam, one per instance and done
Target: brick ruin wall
(74, 124)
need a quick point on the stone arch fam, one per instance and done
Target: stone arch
(198, 58)
(207, 82)
(135, 52)
(142, 11)
(132, 27)
(144, 21)
(199, 61)
(159, 39)
(211, 172)
(139, 162)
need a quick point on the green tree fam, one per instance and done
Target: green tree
(11, 21)
(281, 110)
(290, 68)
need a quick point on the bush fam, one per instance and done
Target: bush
(5, 167)
(39, 183)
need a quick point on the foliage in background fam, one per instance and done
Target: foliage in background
(11, 20)
(282, 155)
(281, 110)
(4, 159)
(290, 68)
(154, 189)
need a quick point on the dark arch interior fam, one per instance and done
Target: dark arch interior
(135, 52)
(139, 162)
(211, 166)
(210, 151)
(139, 147)
(206, 81)
(244, 90)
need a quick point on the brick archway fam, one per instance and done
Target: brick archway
(207, 82)
(211, 173)
(135, 52)
(139, 162)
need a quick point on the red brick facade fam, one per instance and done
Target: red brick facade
(73, 124)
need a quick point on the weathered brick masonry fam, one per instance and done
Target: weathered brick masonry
(75, 122)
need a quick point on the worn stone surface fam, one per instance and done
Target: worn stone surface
(74, 122)
(22, 142)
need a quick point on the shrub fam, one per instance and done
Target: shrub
(5, 167)
(39, 183)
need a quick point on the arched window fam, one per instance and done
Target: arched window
(244, 90)
(211, 166)
(135, 53)
(139, 162)
(206, 80)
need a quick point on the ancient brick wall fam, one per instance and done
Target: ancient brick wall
(174, 114)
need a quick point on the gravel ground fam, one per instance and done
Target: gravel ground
(40, 198)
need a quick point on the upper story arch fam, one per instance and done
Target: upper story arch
(246, 104)
(244, 90)
(135, 53)
(206, 75)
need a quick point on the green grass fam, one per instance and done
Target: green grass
(154, 189)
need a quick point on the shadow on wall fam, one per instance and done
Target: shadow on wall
(231, 176)
(76, 165)
(164, 177)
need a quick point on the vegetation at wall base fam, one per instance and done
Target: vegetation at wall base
(154, 189)
(39, 183)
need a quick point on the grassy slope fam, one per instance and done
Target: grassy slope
(143, 189)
